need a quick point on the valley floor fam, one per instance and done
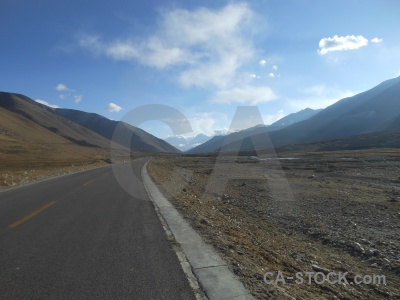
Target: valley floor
(317, 212)
(22, 162)
(14, 175)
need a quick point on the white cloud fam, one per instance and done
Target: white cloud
(254, 76)
(62, 87)
(208, 46)
(319, 96)
(78, 98)
(262, 62)
(62, 96)
(153, 53)
(112, 107)
(46, 103)
(202, 124)
(272, 75)
(340, 43)
(275, 67)
(204, 48)
(376, 40)
(246, 94)
(207, 122)
(219, 74)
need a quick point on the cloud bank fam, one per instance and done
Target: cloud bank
(206, 48)
(211, 45)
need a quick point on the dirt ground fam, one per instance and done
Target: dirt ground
(23, 162)
(317, 212)
(18, 174)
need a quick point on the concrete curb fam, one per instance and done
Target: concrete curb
(212, 273)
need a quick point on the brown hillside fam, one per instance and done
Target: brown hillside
(35, 145)
(62, 127)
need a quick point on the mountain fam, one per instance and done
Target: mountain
(376, 110)
(187, 143)
(294, 118)
(29, 134)
(290, 119)
(44, 117)
(371, 111)
(383, 139)
(77, 127)
(141, 140)
(216, 142)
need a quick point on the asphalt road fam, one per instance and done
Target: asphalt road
(83, 237)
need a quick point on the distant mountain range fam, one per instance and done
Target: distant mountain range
(382, 139)
(41, 115)
(377, 109)
(373, 111)
(187, 143)
(43, 125)
(215, 143)
(294, 118)
(141, 140)
(369, 119)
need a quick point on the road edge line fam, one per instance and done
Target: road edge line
(212, 274)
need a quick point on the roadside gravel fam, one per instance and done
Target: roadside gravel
(338, 212)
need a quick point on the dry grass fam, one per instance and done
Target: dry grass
(23, 162)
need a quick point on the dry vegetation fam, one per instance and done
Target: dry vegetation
(23, 162)
(30, 152)
(337, 212)
(28, 172)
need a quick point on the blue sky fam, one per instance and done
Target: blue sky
(204, 58)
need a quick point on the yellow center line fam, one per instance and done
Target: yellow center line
(89, 182)
(31, 215)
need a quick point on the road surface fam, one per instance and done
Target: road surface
(83, 237)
